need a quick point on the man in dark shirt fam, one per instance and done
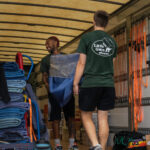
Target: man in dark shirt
(97, 51)
(52, 44)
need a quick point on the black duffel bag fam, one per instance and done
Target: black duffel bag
(126, 140)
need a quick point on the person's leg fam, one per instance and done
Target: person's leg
(69, 112)
(71, 127)
(55, 117)
(56, 129)
(87, 104)
(103, 128)
(105, 103)
(89, 127)
(72, 134)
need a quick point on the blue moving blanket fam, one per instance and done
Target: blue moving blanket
(12, 71)
(62, 70)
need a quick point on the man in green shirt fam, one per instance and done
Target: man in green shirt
(52, 44)
(97, 50)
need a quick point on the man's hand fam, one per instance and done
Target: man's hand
(45, 80)
(76, 89)
(79, 72)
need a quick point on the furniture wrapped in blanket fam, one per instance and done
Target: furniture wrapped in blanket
(36, 110)
(61, 75)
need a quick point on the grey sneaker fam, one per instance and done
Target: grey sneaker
(58, 147)
(74, 147)
(97, 147)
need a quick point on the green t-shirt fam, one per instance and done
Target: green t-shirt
(45, 64)
(100, 49)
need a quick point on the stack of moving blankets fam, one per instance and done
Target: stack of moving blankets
(13, 127)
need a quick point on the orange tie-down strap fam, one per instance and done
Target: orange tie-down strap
(34, 135)
(140, 42)
(31, 128)
(145, 52)
(137, 76)
(138, 35)
(131, 75)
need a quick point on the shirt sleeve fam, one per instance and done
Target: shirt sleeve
(82, 48)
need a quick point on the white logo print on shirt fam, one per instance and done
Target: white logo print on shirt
(104, 47)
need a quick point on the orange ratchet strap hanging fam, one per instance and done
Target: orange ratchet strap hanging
(137, 76)
(135, 81)
(131, 75)
(145, 52)
(140, 55)
(140, 43)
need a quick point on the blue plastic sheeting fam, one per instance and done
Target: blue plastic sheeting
(62, 70)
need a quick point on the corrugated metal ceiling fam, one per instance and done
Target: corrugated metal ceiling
(26, 24)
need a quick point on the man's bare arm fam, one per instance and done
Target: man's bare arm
(79, 72)
(45, 80)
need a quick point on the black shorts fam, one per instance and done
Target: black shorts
(68, 109)
(102, 98)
